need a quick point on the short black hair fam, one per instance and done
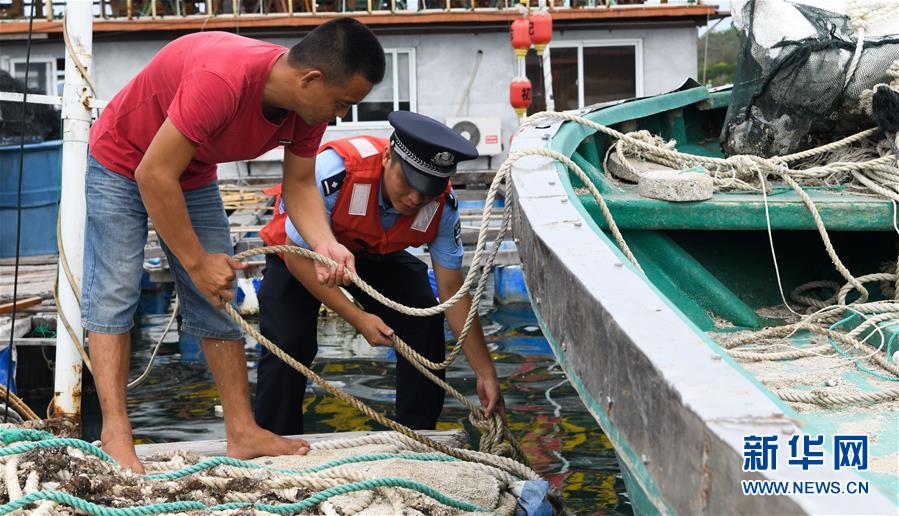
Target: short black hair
(341, 48)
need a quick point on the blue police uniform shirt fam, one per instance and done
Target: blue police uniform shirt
(446, 249)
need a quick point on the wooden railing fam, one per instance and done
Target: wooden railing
(136, 9)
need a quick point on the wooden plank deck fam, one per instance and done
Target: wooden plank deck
(36, 279)
(37, 275)
(216, 448)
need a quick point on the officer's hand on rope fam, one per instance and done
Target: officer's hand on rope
(375, 331)
(490, 395)
(333, 276)
(214, 277)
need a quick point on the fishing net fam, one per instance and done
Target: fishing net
(804, 70)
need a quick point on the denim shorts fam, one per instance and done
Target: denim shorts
(114, 239)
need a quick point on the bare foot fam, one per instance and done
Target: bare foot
(120, 446)
(258, 442)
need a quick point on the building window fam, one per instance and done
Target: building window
(41, 75)
(395, 92)
(588, 72)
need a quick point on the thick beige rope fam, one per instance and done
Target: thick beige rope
(798, 294)
(16, 403)
(827, 399)
(819, 223)
(750, 356)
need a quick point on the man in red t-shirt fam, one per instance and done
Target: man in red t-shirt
(208, 98)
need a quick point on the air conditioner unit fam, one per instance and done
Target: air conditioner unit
(483, 132)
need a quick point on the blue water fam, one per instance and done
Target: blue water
(561, 439)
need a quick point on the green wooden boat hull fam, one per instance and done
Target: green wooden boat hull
(637, 347)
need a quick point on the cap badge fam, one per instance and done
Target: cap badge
(443, 159)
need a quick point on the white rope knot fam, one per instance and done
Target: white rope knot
(647, 137)
(747, 166)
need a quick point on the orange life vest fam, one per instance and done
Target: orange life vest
(355, 219)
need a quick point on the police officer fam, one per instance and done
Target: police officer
(382, 196)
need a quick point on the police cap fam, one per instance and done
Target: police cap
(428, 151)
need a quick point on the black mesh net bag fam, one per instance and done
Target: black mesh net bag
(801, 76)
(41, 121)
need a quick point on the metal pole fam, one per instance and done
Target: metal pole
(76, 123)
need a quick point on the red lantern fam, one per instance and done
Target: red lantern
(521, 39)
(520, 95)
(540, 28)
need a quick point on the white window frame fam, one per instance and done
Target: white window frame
(579, 45)
(413, 96)
(50, 86)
